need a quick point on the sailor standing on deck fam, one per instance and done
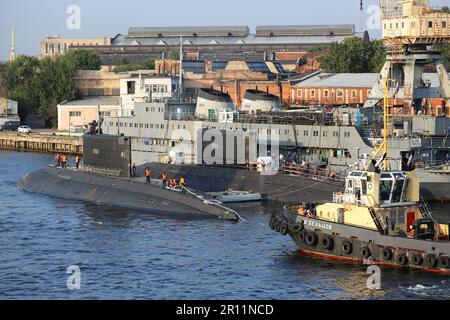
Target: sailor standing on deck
(77, 162)
(164, 180)
(64, 161)
(133, 175)
(147, 174)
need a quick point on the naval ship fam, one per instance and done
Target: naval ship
(380, 219)
(166, 134)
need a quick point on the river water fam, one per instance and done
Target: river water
(125, 254)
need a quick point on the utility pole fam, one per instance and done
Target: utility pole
(180, 81)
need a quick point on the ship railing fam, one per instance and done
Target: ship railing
(312, 173)
(211, 202)
(101, 171)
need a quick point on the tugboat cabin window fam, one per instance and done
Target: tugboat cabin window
(392, 187)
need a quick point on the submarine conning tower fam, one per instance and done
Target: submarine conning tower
(211, 102)
(255, 100)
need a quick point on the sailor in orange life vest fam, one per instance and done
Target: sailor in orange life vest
(183, 182)
(147, 174)
(164, 180)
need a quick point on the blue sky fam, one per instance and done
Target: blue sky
(35, 19)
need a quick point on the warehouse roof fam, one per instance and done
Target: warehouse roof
(93, 101)
(352, 80)
(340, 80)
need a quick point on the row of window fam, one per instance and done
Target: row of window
(311, 93)
(413, 25)
(78, 114)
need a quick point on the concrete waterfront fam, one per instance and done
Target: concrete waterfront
(41, 143)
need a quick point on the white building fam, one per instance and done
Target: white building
(9, 110)
(145, 89)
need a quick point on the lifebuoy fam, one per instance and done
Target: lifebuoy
(327, 242)
(444, 262)
(431, 260)
(417, 259)
(284, 229)
(365, 252)
(311, 238)
(347, 247)
(302, 236)
(387, 254)
(402, 259)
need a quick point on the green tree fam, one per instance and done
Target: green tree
(377, 56)
(354, 55)
(174, 55)
(146, 64)
(20, 81)
(445, 53)
(82, 59)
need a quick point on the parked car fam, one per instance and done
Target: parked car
(10, 126)
(24, 129)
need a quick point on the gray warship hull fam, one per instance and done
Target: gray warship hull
(359, 245)
(119, 192)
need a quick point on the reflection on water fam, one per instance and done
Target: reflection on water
(128, 254)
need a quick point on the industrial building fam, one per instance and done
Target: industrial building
(210, 43)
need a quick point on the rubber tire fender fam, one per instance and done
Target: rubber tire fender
(284, 229)
(431, 260)
(302, 236)
(272, 223)
(402, 259)
(278, 226)
(387, 254)
(327, 242)
(417, 259)
(298, 227)
(444, 262)
(347, 247)
(311, 238)
(365, 252)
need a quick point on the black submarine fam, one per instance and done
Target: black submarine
(106, 179)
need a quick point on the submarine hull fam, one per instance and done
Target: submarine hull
(118, 192)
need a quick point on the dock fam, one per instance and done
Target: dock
(41, 143)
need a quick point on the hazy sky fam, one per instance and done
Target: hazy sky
(34, 19)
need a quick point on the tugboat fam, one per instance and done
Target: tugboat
(380, 219)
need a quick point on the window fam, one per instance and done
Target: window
(325, 133)
(299, 93)
(305, 133)
(444, 24)
(326, 93)
(430, 24)
(335, 134)
(312, 93)
(131, 87)
(315, 133)
(347, 134)
(105, 114)
(339, 93)
(75, 113)
(354, 94)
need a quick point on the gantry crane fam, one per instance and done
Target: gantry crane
(410, 29)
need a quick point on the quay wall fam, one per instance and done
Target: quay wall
(41, 143)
